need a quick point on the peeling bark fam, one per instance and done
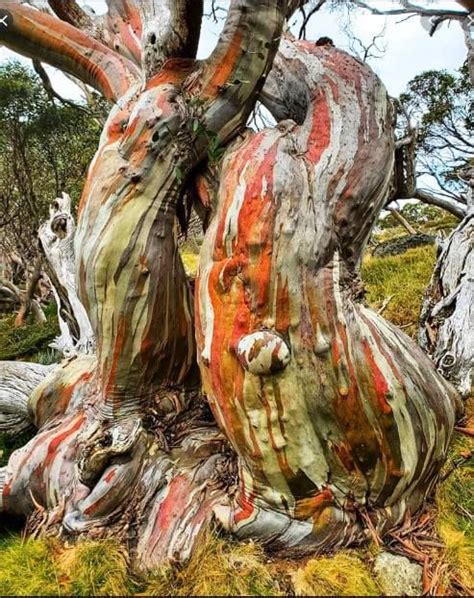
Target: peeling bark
(332, 411)
(336, 417)
(447, 312)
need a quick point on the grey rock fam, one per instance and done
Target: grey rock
(398, 576)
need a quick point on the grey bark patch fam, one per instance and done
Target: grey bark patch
(398, 576)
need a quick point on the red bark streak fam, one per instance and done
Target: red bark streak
(246, 507)
(60, 438)
(224, 66)
(110, 476)
(380, 384)
(320, 135)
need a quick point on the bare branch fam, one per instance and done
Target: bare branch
(450, 205)
(306, 17)
(52, 93)
(413, 8)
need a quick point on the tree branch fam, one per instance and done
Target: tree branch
(38, 35)
(17, 382)
(70, 12)
(450, 205)
(171, 30)
(236, 70)
(410, 7)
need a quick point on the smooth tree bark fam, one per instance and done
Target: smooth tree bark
(324, 420)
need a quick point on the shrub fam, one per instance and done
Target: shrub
(26, 340)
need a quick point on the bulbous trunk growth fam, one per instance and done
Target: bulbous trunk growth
(324, 418)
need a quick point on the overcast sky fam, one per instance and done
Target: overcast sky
(409, 48)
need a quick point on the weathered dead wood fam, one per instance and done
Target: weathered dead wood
(17, 382)
(57, 241)
(447, 311)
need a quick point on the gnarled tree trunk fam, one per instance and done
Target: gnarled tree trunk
(335, 414)
(326, 415)
(57, 241)
(447, 312)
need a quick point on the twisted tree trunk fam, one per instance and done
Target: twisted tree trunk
(335, 417)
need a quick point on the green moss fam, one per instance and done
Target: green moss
(344, 574)
(403, 278)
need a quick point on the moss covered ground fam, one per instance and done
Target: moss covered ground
(222, 566)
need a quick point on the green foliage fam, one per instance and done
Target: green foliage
(8, 445)
(441, 105)
(422, 216)
(45, 148)
(404, 279)
(26, 340)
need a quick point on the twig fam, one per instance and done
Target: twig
(385, 303)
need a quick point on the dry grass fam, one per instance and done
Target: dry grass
(218, 568)
(404, 279)
(455, 509)
(46, 568)
(345, 574)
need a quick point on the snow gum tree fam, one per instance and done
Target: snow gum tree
(319, 420)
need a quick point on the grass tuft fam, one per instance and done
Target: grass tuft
(344, 574)
(217, 568)
(455, 516)
(28, 568)
(190, 263)
(96, 568)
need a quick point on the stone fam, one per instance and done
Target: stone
(398, 576)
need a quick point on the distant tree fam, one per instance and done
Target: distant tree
(45, 148)
(440, 105)
(46, 145)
